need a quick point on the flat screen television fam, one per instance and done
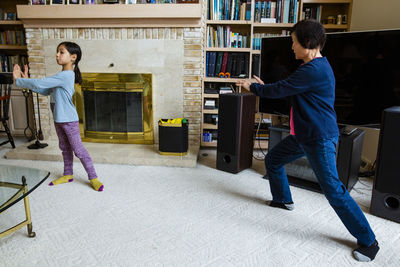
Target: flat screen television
(366, 66)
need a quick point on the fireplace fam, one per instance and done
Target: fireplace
(115, 108)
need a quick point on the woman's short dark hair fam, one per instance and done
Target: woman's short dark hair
(310, 34)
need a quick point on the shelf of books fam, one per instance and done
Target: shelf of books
(234, 30)
(13, 49)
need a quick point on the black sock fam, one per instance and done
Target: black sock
(285, 206)
(364, 253)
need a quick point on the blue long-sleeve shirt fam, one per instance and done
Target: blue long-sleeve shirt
(61, 88)
(311, 89)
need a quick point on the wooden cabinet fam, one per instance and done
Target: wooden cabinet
(238, 31)
(17, 112)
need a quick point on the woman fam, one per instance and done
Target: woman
(313, 133)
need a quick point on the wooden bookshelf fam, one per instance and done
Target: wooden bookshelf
(13, 50)
(253, 28)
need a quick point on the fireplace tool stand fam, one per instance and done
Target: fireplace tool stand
(38, 133)
(28, 131)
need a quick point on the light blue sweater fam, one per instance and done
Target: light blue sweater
(61, 88)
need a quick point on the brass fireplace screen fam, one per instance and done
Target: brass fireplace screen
(115, 108)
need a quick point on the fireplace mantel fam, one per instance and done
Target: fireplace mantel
(117, 15)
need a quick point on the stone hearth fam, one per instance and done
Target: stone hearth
(133, 154)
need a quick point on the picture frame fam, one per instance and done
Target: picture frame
(37, 2)
(57, 2)
(74, 2)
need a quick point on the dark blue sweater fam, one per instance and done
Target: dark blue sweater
(311, 89)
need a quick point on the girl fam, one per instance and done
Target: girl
(61, 89)
(313, 133)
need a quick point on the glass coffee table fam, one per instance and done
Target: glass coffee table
(16, 183)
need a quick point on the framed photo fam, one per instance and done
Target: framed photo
(130, 2)
(38, 2)
(90, 2)
(74, 2)
(56, 2)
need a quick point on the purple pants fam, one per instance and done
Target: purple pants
(70, 142)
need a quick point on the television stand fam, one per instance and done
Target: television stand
(348, 160)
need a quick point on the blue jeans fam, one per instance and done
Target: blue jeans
(321, 155)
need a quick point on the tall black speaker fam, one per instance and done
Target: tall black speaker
(385, 200)
(235, 131)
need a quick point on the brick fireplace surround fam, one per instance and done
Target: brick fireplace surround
(39, 39)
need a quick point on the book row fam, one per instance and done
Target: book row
(229, 9)
(227, 64)
(279, 11)
(7, 62)
(258, 36)
(222, 36)
(12, 37)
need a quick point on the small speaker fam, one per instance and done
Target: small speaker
(385, 200)
(349, 157)
(235, 131)
(348, 160)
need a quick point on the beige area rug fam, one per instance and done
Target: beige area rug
(164, 216)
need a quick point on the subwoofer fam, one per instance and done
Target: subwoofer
(385, 200)
(235, 131)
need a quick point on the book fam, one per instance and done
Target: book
(209, 104)
(229, 64)
(225, 90)
(246, 65)
(218, 63)
(255, 67)
(224, 62)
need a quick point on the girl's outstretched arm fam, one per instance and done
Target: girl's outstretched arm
(42, 86)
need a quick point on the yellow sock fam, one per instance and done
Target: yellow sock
(62, 180)
(96, 184)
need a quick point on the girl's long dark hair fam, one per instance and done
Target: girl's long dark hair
(74, 49)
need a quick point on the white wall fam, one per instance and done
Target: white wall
(375, 15)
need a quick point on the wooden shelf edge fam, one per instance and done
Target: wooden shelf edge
(211, 95)
(226, 49)
(210, 111)
(336, 26)
(209, 126)
(272, 25)
(222, 80)
(10, 22)
(118, 15)
(13, 47)
(326, 1)
(229, 22)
